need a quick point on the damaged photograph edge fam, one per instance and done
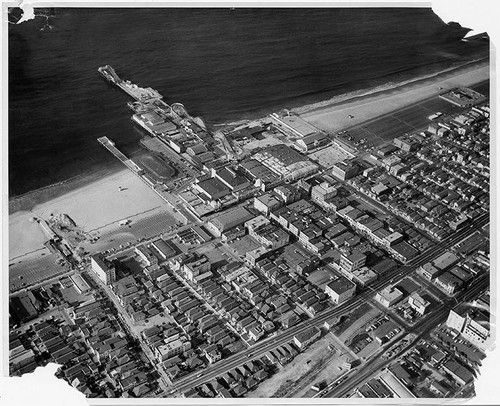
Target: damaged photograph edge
(289, 213)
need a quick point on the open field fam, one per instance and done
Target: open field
(97, 208)
(295, 378)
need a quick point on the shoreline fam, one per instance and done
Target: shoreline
(383, 90)
(27, 201)
(31, 199)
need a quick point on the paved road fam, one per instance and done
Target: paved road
(261, 347)
(164, 381)
(422, 329)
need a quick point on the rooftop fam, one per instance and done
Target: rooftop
(213, 186)
(341, 285)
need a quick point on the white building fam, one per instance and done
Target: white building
(389, 296)
(418, 303)
(104, 270)
(340, 290)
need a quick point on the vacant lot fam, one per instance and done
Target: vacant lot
(295, 378)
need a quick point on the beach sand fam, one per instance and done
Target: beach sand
(96, 207)
(335, 117)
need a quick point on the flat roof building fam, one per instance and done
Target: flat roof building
(231, 178)
(228, 219)
(445, 260)
(389, 296)
(163, 249)
(213, 188)
(79, 283)
(340, 289)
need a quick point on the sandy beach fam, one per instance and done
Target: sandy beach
(334, 117)
(96, 208)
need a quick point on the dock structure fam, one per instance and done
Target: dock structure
(110, 146)
(138, 93)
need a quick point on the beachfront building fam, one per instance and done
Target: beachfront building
(104, 269)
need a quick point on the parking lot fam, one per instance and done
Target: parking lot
(31, 271)
(159, 221)
(399, 122)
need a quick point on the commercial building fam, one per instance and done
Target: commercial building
(323, 192)
(418, 303)
(473, 324)
(340, 289)
(403, 251)
(267, 203)
(146, 255)
(362, 276)
(231, 178)
(393, 238)
(227, 220)
(429, 271)
(257, 254)
(104, 269)
(289, 194)
(304, 339)
(163, 249)
(199, 266)
(269, 235)
(448, 282)
(263, 177)
(211, 188)
(407, 143)
(458, 372)
(256, 222)
(345, 170)
(285, 162)
(352, 261)
(398, 388)
(446, 260)
(79, 283)
(389, 296)
(294, 124)
(310, 142)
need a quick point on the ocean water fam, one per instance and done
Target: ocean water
(222, 64)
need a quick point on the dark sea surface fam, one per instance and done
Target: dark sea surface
(223, 65)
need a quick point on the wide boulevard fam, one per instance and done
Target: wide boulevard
(260, 348)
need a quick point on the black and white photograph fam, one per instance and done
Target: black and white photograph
(264, 201)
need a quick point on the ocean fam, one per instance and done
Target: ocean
(223, 64)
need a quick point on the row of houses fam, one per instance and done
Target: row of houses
(108, 346)
(234, 383)
(294, 286)
(234, 309)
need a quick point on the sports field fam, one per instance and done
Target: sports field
(158, 169)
